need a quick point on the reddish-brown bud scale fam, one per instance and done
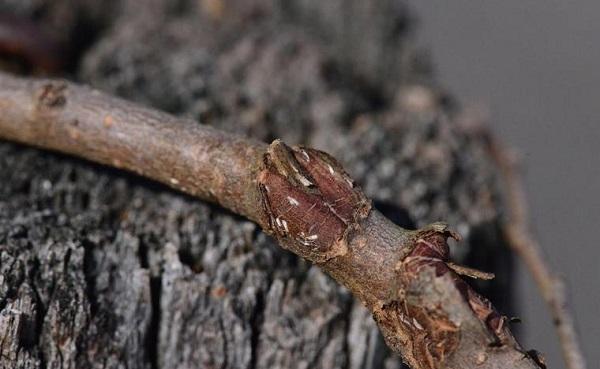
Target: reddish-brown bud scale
(334, 185)
(310, 200)
(431, 251)
(298, 215)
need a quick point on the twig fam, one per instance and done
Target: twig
(521, 240)
(301, 196)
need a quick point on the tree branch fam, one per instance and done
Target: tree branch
(300, 196)
(521, 240)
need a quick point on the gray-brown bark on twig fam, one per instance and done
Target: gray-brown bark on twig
(423, 308)
(521, 240)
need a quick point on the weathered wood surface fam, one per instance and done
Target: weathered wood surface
(103, 269)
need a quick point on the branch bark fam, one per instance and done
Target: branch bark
(522, 241)
(300, 196)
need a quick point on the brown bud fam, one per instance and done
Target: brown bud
(310, 200)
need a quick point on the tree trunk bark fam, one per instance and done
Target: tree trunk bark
(103, 269)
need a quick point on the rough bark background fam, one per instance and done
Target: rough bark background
(102, 269)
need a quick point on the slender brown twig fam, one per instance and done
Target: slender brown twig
(300, 196)
(520, 239)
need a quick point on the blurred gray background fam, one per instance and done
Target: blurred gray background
(535, 66)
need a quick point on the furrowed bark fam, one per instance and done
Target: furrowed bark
(301, 196)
